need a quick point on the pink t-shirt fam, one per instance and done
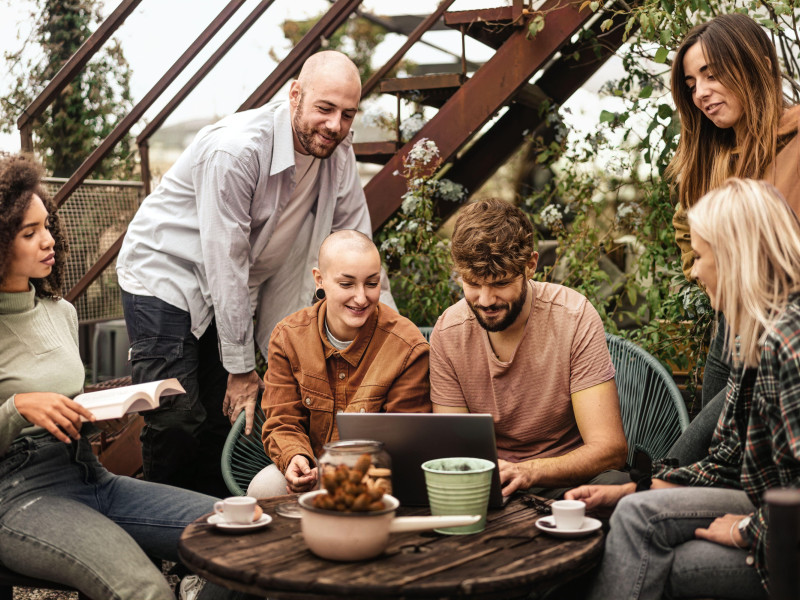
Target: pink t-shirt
(562, 351)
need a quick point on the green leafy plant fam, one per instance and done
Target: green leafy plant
(88, 108)
(418, 260)
(609, 197)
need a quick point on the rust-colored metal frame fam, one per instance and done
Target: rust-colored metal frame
(413, 38)
(158, 121)
(138, 111)
(558, 83)
(491, 88)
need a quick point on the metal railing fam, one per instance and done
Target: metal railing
(93, 217)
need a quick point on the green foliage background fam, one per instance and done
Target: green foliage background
(611, 185)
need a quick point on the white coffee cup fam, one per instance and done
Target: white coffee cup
(236, 509)
(568, 514)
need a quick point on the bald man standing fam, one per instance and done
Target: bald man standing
(348, 353)
(228, 235)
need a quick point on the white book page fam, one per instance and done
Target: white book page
(114, 403)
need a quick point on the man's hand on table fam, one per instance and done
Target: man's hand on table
(515, 476)
(300, 477)
(241, 395)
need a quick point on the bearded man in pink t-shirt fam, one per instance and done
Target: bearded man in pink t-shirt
(532, 354)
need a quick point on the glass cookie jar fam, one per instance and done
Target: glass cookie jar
(367, 456)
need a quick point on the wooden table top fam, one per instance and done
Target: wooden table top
(509, 559)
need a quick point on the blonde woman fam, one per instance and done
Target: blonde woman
(710, 539)
(726, 84)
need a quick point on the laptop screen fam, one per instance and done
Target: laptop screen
(413, 438)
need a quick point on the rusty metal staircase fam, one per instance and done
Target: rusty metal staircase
(465, 104)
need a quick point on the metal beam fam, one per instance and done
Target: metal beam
(75, 63)
(405, 24)
(562, 79)
(97, 268)
(413, 37)
(234, 37)
(481, 97)
(136, 113)
(388, 24)
(310, 43)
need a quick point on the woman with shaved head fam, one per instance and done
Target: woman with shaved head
(348, 353)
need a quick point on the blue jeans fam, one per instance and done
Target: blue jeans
(651, 550)
(182, 440)
(64, 518)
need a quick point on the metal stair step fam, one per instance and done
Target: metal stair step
(491, 26)
(375, 152)
(431, 90)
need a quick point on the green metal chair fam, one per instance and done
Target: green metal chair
(653, 411)
(426, 333)
(243, 455)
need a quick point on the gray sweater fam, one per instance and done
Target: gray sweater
(38, 353)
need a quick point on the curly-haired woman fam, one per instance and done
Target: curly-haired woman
(63, 517)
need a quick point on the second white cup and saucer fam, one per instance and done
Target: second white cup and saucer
(568, 520)
(236, 514)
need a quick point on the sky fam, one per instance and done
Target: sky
(157, 32)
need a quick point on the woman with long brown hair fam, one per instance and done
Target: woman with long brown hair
(735, 122)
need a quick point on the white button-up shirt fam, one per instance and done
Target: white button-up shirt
(194, 239)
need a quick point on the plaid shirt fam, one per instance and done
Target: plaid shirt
(756, 445)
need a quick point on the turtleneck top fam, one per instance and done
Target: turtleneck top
(38, 353)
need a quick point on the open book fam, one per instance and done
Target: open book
(115, 402)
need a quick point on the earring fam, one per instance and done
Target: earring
(319, 294)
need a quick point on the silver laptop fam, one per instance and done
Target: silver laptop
(413, 438)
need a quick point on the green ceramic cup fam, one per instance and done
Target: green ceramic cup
(459, 486)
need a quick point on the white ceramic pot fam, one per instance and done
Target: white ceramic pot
(361, 535)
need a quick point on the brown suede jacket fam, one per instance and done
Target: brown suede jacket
(308, 381)
(783, 173)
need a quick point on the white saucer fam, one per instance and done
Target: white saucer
(222, 524)
(590, 525)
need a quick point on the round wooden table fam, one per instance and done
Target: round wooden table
(509, 559)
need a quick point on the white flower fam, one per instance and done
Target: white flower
(424, 151)
(410, 203)
(375, 116)
(410, 126)
(392, 246)
(551, 217)
(450, 191)
(629, 213)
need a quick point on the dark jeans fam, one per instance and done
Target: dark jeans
(693, 444)
(182, 440)
(717, 369)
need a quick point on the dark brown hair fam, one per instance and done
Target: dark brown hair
(20, 179)
(492, 238)
(743, 59)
